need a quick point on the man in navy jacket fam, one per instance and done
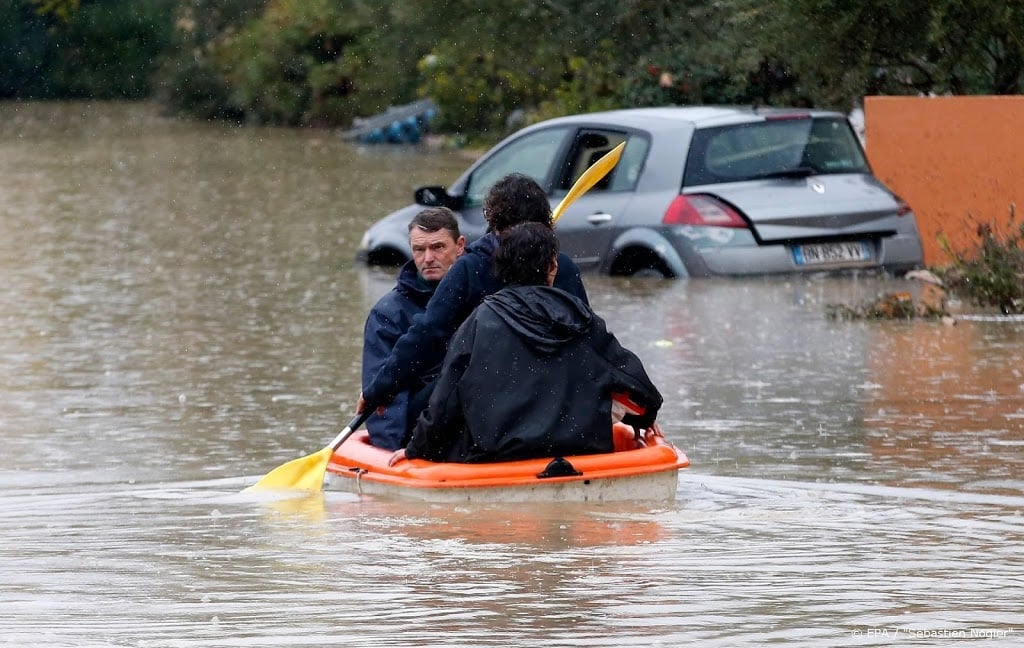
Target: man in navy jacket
(436, 244)
(514, 199)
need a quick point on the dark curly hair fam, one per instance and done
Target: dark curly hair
(524, 254)
(515, 199)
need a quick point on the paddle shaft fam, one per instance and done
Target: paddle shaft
(352, 426)
(307, 473)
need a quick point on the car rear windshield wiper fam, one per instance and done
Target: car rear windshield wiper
(795, 172)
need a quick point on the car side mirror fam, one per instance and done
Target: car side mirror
(436, 197)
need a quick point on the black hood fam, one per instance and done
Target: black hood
(545, 317)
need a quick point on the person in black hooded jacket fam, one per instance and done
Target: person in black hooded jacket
(531, 372)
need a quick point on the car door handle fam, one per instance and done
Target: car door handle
(599, 219)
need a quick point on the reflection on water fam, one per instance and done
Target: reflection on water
(736, 562)
(182, 312)
(755, 372)
(948, 405)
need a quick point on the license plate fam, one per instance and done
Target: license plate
(824, 253)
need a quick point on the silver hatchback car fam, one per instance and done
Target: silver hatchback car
(698, 192)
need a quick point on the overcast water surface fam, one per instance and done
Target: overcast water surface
(181, 312)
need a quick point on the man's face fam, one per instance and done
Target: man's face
(434, 252)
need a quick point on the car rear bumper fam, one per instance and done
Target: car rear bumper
(736, 253)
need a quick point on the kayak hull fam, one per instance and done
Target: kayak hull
(644, 469)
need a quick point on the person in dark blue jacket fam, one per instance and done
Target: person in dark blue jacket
(436, 244)
(514, 199)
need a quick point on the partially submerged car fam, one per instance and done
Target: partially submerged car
(698, 192)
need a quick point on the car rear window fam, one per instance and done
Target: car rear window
(773, 148)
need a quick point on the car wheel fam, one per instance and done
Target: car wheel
(385, 256)
(649, 273)
(639, 262)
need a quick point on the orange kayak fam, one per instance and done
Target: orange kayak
(642, 467)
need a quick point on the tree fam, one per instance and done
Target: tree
(25, 52)
(59, 8)
(492, 66)
(842, 51)
(188, 82)
(979, 46)
(98, 48)
(109, 48)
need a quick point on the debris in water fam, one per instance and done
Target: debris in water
(930, 303)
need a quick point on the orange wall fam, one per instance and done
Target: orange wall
(958, 162)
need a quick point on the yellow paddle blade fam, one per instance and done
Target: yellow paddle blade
(306, 473)
(589, 178)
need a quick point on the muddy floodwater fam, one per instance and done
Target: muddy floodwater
(181, 312)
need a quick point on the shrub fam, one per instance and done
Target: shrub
(477, 93)
(109, 49)
(287, 62)
(991, 275)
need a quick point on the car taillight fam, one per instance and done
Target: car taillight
(698, 209)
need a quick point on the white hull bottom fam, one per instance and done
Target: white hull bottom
(659, 486)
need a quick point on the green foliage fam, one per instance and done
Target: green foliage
(189, 81)
(843, 51)
(108, 49)
(993, 273)
(25, 52)
(590, 83)
(291, 62)
(272, 64)
(476, 94)
(62, 9)
(491, 66)
(697, 53)
(510, 63)
(100, 48)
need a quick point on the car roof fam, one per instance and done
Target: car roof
(693, 116)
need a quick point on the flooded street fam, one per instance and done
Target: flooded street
(182, 312)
